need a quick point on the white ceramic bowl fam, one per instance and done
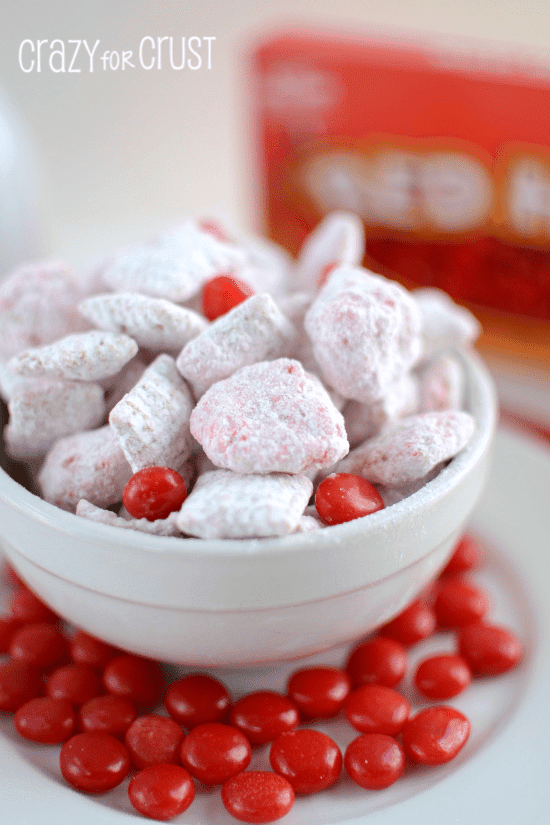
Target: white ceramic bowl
(238, 603)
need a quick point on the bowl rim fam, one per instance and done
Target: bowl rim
(482, 403)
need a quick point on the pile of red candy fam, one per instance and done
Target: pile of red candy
(97, 702)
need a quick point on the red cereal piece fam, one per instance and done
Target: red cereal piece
(85, 649)
(374, 761)
(319, 691)
(46, 720)
(435, 735)
(443, 676)
(76, 683)
(153, 740)
(151, 422)
(445, 325)
(85, 356)
(89, 465)
(107, 714)
(263, 715)
(442, 385)
(19, 683)
(269, 417)
(467, 555)
(489, 649)
(94, 762)
(365, 332)
(459, 602)
(310, 760)
(254, 330)
(154, 492)
(221, 294)
(161, 791)
(377, 709)
(37, 306)
(411, 448)
(8, 626)
(138, 679)
(338, 239)
(343, 497)
(364, 421)
(413, 624)
(153, 323)
(224, 505)
(257, 796)
(378, 661)
(40, 644)
(49, 410)
(174, 265)
(197, 698)
(213, 752)
(160, 527)
(26, 607)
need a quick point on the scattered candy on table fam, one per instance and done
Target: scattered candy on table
(117, 717)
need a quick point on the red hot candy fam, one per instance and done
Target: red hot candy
(262, 716)
(374, 761)
(435, 735)
(140, 680)
(343, 497)
(377, 661)
(319, 691)
(310, 760)
(195, 699)
(153, 740)
(107, 714)
(154, 492)
(19, 682)
(377, 709)
(459, 602)
(489, 649)
(46, 720)
(213, 752)
(442, 677)
(94, 762)
(415, 623)
(467, 555)
(221, 294)
(161, 791)
(257, 796)
(40, 644)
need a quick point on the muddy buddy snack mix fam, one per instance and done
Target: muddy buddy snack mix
(213, 384)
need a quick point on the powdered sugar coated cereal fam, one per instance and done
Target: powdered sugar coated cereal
(50, 410)
(151, 422)
(409, 449)
(37, 306)
(225, 505)
(444, 323)
(442, 384)
(340, 238)
(175, 265)
(365, 332)
(154, 323)
(87, 465)
(124, 381)
(254, 330)
(85, 356)
(269, 417)
(366, 420)
(161, 527)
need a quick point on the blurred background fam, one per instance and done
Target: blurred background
(94, 160)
